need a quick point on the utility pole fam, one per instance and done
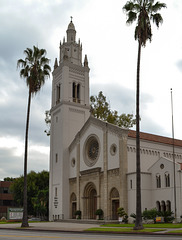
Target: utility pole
(174, 169)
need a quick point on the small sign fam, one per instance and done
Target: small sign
(159, 219)
(15, 213)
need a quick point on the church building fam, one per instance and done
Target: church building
(92, 162)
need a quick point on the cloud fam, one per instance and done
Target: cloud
(179, 65)
(112, 55)
(121, 98)
(11, 165)
(12, 158)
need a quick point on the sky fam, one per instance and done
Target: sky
(112, 55)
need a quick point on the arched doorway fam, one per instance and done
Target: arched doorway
(73, 205)
(90, 201)
(114, 196)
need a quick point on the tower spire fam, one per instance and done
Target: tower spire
(71, 32)
(85, 61)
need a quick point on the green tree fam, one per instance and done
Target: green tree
(48, 122)
(35, 70)
(9, 179)
(142, 11)
(100, 109)
(37, 192)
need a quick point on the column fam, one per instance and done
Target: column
(122, 172)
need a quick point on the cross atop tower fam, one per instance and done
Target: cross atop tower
(71, 18)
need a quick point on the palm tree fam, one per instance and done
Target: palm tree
(35, 69)
(143, 11)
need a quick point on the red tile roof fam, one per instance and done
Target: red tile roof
(155, 138)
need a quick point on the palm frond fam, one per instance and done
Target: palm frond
(143, 11)
(157, 19)
(128, 6)
(157, 7)
(35, 68)
(132, 16)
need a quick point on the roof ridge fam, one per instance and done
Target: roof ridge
(155, 138)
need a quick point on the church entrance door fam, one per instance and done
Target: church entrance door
(73, 205)
(114, 196)
(90, 201)
(73, 210)
(115, 206)
(93, 204)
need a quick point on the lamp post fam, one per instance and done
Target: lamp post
(174, 170)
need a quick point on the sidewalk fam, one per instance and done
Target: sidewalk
(52, 226)
(70, 227)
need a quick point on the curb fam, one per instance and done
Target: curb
(92, 232)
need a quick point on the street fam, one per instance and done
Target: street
(37, 235)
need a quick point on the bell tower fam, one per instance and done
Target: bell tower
(70, 109)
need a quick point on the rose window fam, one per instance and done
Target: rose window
(91, 151)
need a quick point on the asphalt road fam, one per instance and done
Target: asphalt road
(37, 235)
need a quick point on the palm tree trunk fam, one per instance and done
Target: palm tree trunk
(138, 223)
(25, 212)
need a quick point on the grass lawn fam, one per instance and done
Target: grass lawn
(176, 231)
(9, 222)
(157, 225)
(130, 230)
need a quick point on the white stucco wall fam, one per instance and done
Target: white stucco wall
(92, 130)
(113, 160)
(167, 193)
(145, 192)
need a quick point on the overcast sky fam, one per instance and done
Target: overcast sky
(112, 54)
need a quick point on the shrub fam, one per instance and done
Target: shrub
(99, 212)
(133, 215)
(121, 213)
(78, 213)
(167, 216)
(3, 219)
(150, 214)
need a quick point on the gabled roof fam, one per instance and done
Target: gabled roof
(155, 138)
(101, 124)
(120, 131)
(165, 160)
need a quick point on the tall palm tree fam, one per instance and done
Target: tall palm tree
(142, 11)
(34, 69)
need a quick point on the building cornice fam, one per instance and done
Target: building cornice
(72, 104)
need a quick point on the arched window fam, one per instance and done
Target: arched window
(158, 181)
(131, 184)
(163, 206)
(158, 206)
(58, 93)
(76, 92)
(168, 206)
(167, 179)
